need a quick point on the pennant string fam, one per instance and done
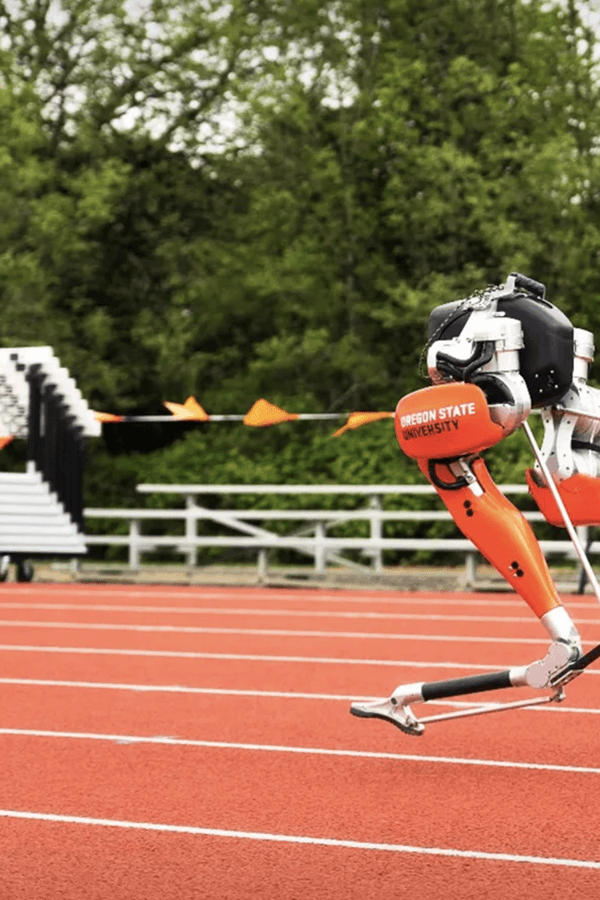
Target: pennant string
(261, 414)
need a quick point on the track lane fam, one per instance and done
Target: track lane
(97, 863)
(258, 792)
(180, 600)
(192, 615)
(303, 676)
(548, 736)
(493, 651)
(527, 735)
(293, 622)
(174, 594)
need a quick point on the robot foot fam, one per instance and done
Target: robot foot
(394, 709)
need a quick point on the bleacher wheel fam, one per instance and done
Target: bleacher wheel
(24, 570)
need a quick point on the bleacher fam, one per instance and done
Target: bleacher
(41, 509)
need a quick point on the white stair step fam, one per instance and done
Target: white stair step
(17, 495)
(48, 512)
(33, 477)
(22, 518)
(41, 544)
(17, 492)
(58, 548)
(8, 529)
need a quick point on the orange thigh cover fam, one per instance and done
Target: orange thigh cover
(445, 420)
(579, 493)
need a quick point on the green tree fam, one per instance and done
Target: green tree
(111, 175)
(387, 158)
(463, 149)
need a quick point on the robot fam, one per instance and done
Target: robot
(493, 358)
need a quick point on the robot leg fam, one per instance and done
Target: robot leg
(443, 428)
(504, 537)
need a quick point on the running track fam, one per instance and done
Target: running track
(165, 742)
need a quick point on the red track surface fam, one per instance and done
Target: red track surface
(196, 743)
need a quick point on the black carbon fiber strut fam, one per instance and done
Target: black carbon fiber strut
(472, 684)
(493, 681)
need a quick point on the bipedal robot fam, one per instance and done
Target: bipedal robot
(493, 358)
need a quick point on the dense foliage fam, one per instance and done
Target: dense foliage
(267, 199)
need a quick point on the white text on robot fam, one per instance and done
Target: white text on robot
(432, 415)
(429, 429)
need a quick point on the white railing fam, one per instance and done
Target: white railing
(312, 540)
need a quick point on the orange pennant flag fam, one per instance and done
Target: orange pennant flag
(5, 440)
(191, 409)
(107, 417)
(356, 419)
(264, 413)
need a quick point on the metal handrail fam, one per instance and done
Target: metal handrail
(311, 540)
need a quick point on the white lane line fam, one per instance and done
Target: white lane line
(235, 692)
(302, 751)
(291, 595)
(247, 657)
(268, 632)
(174, 689)
(250, 657)
(301, 839)
(293, 613)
